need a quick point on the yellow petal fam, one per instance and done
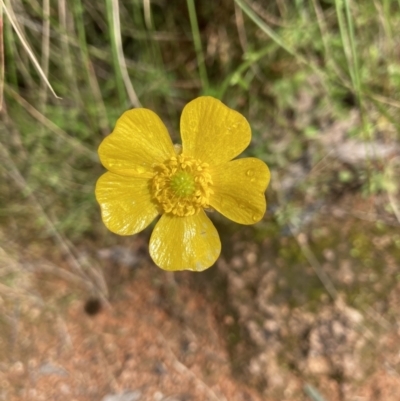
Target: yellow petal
(239, 188)
(185, 243)
(212, 132)
(126, 205)
(139, 140)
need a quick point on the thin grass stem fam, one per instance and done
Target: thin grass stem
(387, 22)
(45, 51)
(330, 61)
(354, 56)
(120, 54)
(119, 82)
(145, 22)
(240, 28)
(197, 45)
(64, 43)
(344, 36)
(277, 39)
(101, 114)
(147, 14)
(19, 61)
(254, 58)
(9, 51)
(265, 28)
(366, 132)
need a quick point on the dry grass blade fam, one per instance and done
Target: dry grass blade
(121, 58)
(240, 27)
(45, 49)
(28, 49)
(14, 293)
(147, 14)
(384, 100)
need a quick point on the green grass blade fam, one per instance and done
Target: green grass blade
(277, 39)
(101, 115)
(354, 56)
(114, 50)
(144, 21)
(264, 27)
(344, 36)
(251, 60)
(313, 393)
(9, 52)
(197, 44)
(387, 20)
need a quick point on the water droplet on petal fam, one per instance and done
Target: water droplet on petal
(252, 179)
(255, 218)
(250, 172)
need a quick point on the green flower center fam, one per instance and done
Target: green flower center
(182, 183)
(182, 186)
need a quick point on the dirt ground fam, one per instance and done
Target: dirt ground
(131, 347)
(246, 330)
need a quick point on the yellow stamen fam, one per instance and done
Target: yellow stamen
(182, 185)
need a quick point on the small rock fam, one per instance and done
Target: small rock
(318, 365)
(119, 254)
(158, 396)
(346, 275)
(271, 326)
(355, 152)
(50, 369)
(127, 396)
(18, 368)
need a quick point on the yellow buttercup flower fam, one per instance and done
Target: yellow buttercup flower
(149, 176)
